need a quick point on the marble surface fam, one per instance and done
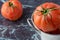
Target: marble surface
(20, 30)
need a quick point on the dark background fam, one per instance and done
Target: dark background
(20, 30)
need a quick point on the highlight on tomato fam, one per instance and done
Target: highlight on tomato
(12, 10)
(47, 17)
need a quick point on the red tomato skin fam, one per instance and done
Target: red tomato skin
(12, 13)
(48, 22)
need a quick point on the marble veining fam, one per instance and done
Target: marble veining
(20, 30)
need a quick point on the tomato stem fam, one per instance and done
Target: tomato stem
(10, 4)
(45, 11)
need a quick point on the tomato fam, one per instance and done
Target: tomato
(13, 0)
(47, 16)
(56, 18)
(12, 10)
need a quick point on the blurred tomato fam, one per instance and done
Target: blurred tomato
(12, 10)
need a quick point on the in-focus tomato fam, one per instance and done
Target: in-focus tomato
(47, 16)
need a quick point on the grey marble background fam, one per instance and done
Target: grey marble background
(20, 30)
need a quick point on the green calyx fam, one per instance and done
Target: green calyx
(10, 4)
(47, 10)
